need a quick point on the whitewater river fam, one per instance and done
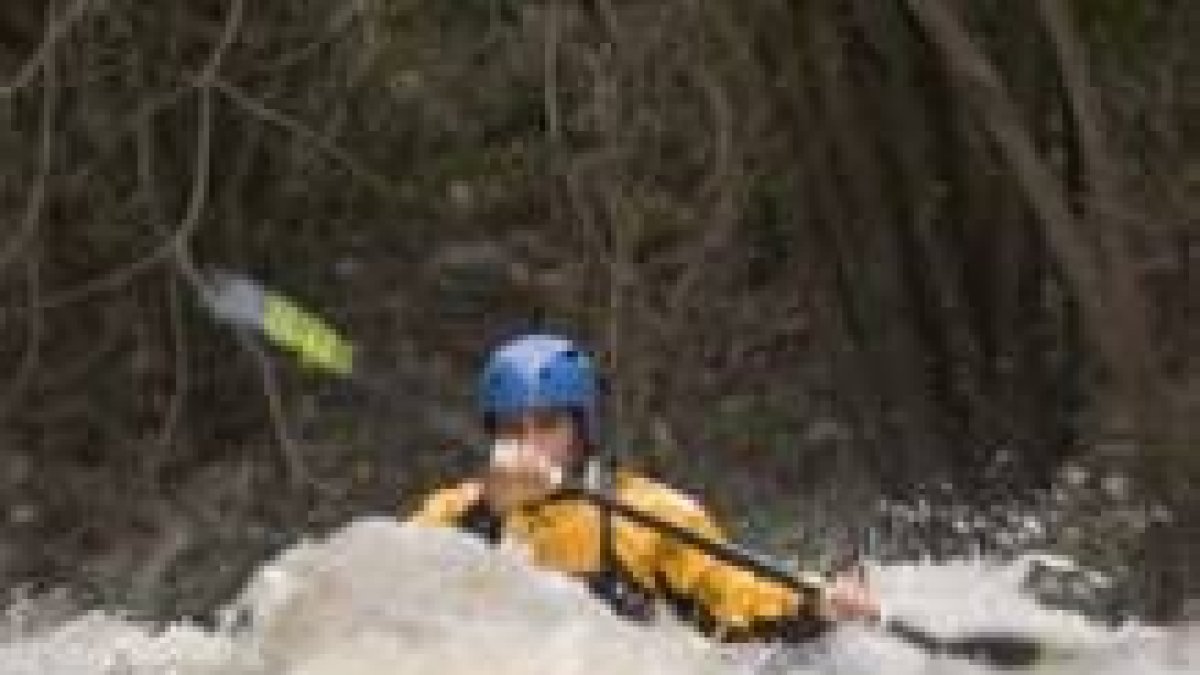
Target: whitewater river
(379, 597)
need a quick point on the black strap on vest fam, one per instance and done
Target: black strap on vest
(481, 520)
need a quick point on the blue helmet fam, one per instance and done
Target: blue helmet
(540, 371)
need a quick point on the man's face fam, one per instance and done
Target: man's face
(551, 435)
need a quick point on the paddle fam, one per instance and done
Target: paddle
(996, 648)
(244, 304)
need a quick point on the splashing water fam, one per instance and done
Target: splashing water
(380, 597)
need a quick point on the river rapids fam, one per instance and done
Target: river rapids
(382, 597)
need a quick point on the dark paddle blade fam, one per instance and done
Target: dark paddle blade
(1000, 649)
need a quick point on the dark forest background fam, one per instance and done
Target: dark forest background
(936, 250)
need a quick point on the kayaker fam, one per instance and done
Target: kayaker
(538, 399)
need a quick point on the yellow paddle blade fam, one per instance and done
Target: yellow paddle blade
(315, 342)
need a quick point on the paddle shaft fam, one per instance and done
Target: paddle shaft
(998, 648)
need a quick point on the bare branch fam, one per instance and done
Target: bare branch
(1101, 205)
(376, 181)
(550, 74)
(170, 423)
(29, 223)
(32, 359)
(293, 460)
(178, 242)
(55, 29)
(37, 195)
(180, 237)
(991, 101)
(232, 23)
(1073, 67)
(989, 98)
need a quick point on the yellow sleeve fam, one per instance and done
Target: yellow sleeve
(443, 507)
(733, 597)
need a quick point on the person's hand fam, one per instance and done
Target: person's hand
(850, 598)
(517, 475)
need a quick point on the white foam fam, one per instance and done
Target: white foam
(381, 597)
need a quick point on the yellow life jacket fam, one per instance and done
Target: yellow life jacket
(567, 536)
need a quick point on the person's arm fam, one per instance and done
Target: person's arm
(736, 603)
(733, 602)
